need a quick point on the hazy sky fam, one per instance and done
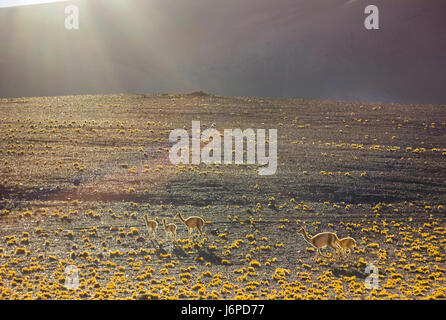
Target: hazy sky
(266, 48)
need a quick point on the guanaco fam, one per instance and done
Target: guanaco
(191, 223)
(347, 243)
(152, 225)
(322, 240)
(171, 229)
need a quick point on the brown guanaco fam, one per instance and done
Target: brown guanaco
(171, 230)
(152, 225)
(191, 223)
(347, 243)
(322, 240)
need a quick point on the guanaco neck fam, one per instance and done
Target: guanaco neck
(147, 221)
(181, 218)
(307, 238)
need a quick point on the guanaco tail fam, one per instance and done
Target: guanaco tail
(322, 240)
(170, 229)
(152, 225)
(191, 223)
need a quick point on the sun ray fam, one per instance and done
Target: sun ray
(20, 3)
(163, 56)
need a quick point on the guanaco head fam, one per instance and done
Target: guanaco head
(302, 230)
(177, 216)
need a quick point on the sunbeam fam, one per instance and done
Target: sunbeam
(20, 3)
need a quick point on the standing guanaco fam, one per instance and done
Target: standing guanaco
(322, 240)
(191, 223)
(152, 225)
(171, 229)
(347, 243)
